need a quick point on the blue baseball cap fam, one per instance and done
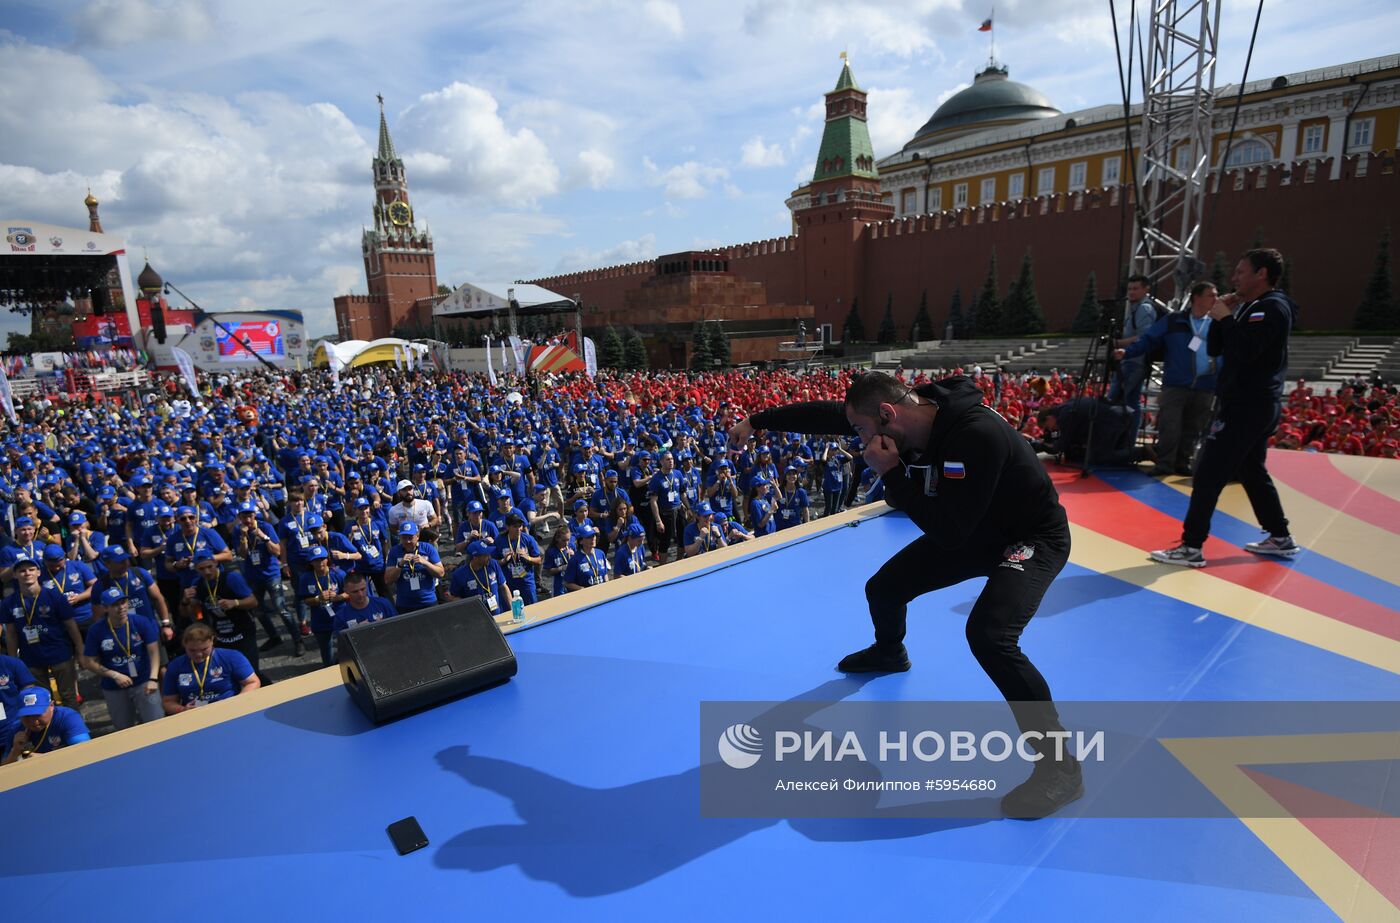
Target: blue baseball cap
(247, 506)
(760, 481)
(115, 553)
(185, 511)
(33, 702)
(77, 518)
(315, 521)
(111, 596)
(475, 507)
(580, 504)
(585, 530)
(24, 521)
(704, 509)
(54, 553)
(361, 503)
(541, 488)
(721, 516)
(477, 548)
(203, 554)
(610, 473)
(164, 510)
(408, 528)
(317, 553)
(636, 530)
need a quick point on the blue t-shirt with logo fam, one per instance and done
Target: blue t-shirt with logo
(74, 578)
(587, 568)
(219, 677)
(14, 676)
(347, 616)
(136, 584)
(122, 648)
(65, 729)
(43, 641)
(415, 588)
(309, 585)
(260, 566)
(488, 582)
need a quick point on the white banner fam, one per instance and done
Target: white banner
(590, 357)
(186, 366)
(518, 348)
(505, 359)
(490, 372)
(334, 362)
(7, 397)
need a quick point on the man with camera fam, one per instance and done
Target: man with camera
(1138, 317)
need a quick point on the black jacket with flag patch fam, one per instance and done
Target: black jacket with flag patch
(977, 484)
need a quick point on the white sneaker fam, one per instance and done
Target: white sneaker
(1282, 547)
(1181, 555)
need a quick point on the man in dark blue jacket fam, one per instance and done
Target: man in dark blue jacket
(1249, 332)
(988, 510)
(1188, 378)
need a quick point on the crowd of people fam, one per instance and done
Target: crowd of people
(164, 545)
(148, 541)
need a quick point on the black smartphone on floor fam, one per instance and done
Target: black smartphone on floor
(407, 835)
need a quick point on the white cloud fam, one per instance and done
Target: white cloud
(595, 167)
(665, 14)
(628, 251)
(894, 115)
(689, 180)
(473, 153)
(115, 23)
(757, 154)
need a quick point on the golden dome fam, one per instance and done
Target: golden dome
(91, 200)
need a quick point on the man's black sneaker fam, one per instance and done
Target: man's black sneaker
(876, 659)
(271, 644)
(300, 648)
(1052, 785)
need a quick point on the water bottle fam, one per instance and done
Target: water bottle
(517, 607)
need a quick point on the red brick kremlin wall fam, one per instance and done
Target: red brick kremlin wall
(1327, 228)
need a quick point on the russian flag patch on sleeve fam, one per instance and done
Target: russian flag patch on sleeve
(1257, 315)
(954, 470)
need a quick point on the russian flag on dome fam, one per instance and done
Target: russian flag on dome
(986, 25)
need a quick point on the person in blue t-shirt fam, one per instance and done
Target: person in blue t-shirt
(474, 527)
(761, 508)
(39, 629)
(14, 676)
(320, 588)
(25, 548)
(703, 534)
(631, 555)
(413, 569)
(142, 594)
(39, 726)
(73, 579)
(589, 566)
(732, 529)
(836, 472)
(371, 539)
(519, 555)
(556, 559)
(204, 673)
(480, 575)
(666, 505)
(255, 544)
(360, 606)
(224, 600)
(792, 505)
(124, 650)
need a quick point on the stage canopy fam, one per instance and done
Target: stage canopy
(481, 299)
(44, 264)
(355, 353)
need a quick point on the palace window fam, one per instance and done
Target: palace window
(908, 207)
(1111, 171)
(936, 199)
(988, 192)
(1361, 132)
(960, 195)
(1078, 174)
(1045, 181)
(1016, 186)
(1247, 152)
(1312, 139)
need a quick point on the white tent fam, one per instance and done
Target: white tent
(483, 298)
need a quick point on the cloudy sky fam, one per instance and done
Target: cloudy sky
(232, 140)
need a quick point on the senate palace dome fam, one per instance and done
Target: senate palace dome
(992, 101)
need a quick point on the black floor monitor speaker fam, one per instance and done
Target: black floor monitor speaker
(423, 658)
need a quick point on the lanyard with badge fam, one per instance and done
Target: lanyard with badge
(411, 572)
(321, 590)
(517, 565)
(485, 584)
(31, 631)
(199, 698)
(125, 648)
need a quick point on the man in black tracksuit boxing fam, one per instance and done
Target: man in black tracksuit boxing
(987, 509)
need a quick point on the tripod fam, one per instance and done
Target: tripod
(1096, 373)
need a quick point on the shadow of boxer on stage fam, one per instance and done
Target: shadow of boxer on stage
(596, 841)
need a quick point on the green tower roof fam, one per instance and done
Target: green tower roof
(845, 149)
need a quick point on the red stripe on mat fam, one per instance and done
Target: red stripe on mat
(1314, 475)
(1102, 508)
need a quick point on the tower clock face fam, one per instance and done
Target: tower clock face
(400, 213)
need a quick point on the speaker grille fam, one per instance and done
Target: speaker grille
(442, 641)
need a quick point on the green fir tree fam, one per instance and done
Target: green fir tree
(923, 324)
(853, 330)
(1086, 319)
(887, 333)
(634, 351)
(955, 313)
(719, 344)
(989, 321)
(611, 354)
(700, 358)
(1378, 309)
